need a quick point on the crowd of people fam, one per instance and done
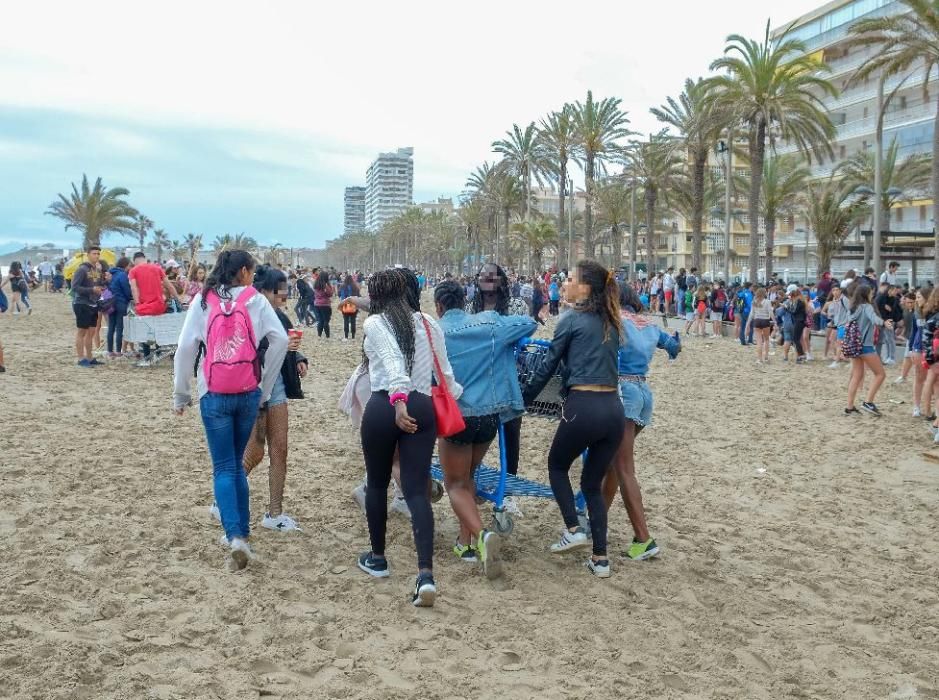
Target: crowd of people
(240, 342)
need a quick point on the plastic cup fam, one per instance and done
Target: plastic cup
(295, 333)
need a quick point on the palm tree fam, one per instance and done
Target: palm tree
(160, 241)
(903, 41)
(698, 123)
(241, 241)
(612, 198)
(535, 235)
(94, 211)
(221, 243)
(559, 139)
(193, 243)
(177, 248)
(774, 88)
(599, 126)
(683, 199)
(142, 226)
(523, 155)
(832, 210)
(784, 179)
(899, 181)
(657, 164)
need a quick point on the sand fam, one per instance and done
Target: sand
(800, 550)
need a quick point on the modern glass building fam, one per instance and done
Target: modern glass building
(354, 220)
(389, 187)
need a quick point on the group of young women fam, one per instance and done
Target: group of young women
(603, 342)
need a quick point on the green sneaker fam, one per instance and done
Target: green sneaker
(641, 550)
(465, 552)
(488, 549)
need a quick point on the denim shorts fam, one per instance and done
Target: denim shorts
(868, 350)
(840, 332)
(278, 393)
(479, 430)
(637, 402)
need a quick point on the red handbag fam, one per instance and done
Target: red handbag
(449, 419)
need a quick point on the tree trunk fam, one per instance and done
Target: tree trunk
(935, 195)
(650, 197)
(91, 238)
(562, 221)
(770, 243)
(507, 218)
(757, 152)
(617, 246)
(588, 210)
(697, 210)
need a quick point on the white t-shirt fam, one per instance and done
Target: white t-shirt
(668, 282)
(889, 278)
(45, 268)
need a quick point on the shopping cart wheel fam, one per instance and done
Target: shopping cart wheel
(502, 522)
(584, 523)
(436, 490)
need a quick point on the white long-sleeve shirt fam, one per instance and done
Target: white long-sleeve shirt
(265, 323)
(387, 369)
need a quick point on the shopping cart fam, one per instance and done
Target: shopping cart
(493, 484)
(159, 333)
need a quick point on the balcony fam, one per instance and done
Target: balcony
(894, 119)
(836, 34)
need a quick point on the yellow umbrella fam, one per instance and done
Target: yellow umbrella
(107, 255)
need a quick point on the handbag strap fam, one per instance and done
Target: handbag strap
(433, 352)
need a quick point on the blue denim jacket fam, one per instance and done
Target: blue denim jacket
(641, 343)
(481, 348)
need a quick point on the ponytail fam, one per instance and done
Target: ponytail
(603, 299)
(225, 273)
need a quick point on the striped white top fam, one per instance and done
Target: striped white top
(387, 369)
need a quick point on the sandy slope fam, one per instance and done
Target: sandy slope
(814, 578)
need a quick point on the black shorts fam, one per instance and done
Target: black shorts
(761, 323)
(85, 316)
(479, 430)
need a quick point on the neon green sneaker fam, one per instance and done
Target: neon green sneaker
(488, 549)
(465, 552)
(641, 550)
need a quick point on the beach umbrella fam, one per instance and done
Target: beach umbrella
(107, 255)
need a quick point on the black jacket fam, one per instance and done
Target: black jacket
(288, 371)
(930, 329)
(588, 358)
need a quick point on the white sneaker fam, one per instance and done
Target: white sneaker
(240, 554)
(916, 412)
(935, 438)
(809, 358)
(899, 380)
(282, 523)
(215, 512)
(570, 540)
(600, 569)
(399, 505)
(510, 505)
(833, 365)
(358, 493)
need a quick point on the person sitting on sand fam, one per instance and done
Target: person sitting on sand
(398, 356)
(481, 349)
(641, 341)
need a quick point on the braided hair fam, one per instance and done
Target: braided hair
(412, 286)
(603, 298)
(450, 295)
(225, 274)
(388, 295)
(502, 292)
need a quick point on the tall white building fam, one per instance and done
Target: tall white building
(355, 210)
(389, 187)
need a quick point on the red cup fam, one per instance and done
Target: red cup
(295, 333)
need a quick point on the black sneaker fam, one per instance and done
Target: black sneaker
(373, 566)
(424, 592)
(851, 411)
(870, 408)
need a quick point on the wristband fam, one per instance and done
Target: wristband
(399, 396)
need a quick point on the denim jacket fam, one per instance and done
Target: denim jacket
(641, 343)
(481, 348)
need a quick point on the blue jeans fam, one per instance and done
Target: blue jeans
(116, 327)
(743, 329)
(229, 420)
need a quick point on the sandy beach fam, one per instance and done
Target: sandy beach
(800, 549)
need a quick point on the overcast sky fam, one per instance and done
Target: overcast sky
(244, 116)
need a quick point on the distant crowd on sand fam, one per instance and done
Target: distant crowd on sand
(451, 382)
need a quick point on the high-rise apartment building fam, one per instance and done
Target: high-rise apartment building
(389, 187)
(355, 210)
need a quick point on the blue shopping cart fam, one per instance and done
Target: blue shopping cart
(493, 484)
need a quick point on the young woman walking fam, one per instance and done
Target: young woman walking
(641, 341)
(398, 353)
(348, 309)
(322, 303)
(481, 349)
(229, 318)
(19, 288)
(587, 340)
(862, 313)
(931, 359)
(271, 424)
(760, 318)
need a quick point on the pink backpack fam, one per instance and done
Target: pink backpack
(232, 365)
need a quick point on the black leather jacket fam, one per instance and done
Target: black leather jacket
(930, 329)
(588, 358)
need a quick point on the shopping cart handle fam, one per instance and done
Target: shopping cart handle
(525, 342)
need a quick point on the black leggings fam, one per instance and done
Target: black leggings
(348, 324)
(593, 421)
(380, 437)
(323, 314)
(797, 329)
(513, 444)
